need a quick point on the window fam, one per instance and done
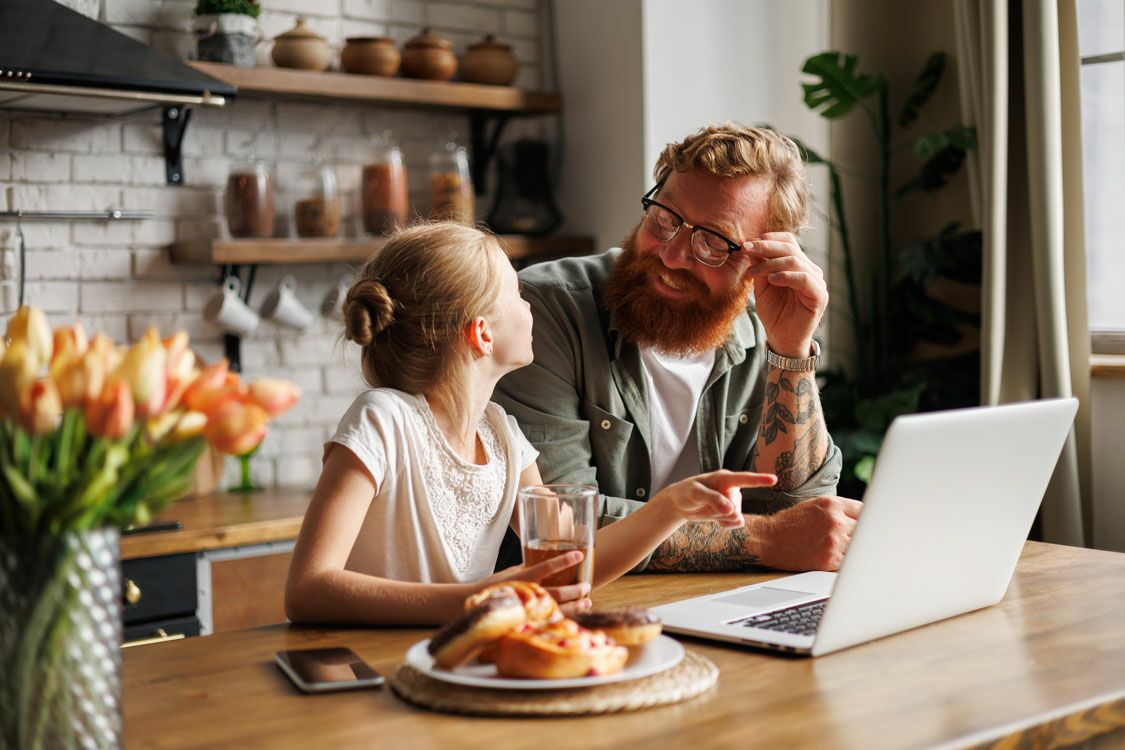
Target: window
(1101, 44)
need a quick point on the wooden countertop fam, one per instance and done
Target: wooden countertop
(1044, 668)
(223, 520)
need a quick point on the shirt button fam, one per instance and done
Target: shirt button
(743, 419)
(641, 492)
(606, 424)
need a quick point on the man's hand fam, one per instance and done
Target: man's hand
(812, 535)
(789, 291)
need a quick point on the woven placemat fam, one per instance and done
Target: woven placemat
(693, 676)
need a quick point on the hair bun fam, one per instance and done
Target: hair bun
(368, 311)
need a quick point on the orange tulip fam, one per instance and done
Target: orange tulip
(180, 368)
(190, 425)
(18, 370)
(111, 414)
(210, 378)
(29, 325)
(41, 410)
(209, 401)
(143, 369)
(69, 343)
(237, 428)
(274, 395)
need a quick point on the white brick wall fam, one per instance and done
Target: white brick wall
(116, 277)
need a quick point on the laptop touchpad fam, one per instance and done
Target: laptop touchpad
(762, 598)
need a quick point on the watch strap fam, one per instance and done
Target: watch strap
(795, 364)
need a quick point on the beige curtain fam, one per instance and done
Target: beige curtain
(1019, 72)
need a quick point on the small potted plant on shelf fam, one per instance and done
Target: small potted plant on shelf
(227, 31)
(93, 437)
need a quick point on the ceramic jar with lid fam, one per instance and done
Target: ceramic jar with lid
(301, 48)
(489, 61)
(370, 55)
(429, 56)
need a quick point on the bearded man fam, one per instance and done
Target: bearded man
(690, 349)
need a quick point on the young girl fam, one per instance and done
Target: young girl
(420, 479)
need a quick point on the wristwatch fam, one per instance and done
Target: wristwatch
(795, 364)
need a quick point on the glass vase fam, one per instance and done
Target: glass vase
(60, 641)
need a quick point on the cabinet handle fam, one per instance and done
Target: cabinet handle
(132, 592)
(159, 636)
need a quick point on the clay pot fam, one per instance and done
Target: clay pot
(301, 48)
(370, 55)
(489, 61)
(429, 56)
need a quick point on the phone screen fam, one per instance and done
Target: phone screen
(327, 669)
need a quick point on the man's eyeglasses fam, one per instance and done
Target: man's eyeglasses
(708, 246)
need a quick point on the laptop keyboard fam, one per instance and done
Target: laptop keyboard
(799, 620)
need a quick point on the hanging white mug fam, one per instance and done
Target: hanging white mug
(226, 309)
(332, 305)
(282, 306)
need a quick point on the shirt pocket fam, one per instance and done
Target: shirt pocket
(609, 433)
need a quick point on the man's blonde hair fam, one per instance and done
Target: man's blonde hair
(734, 150)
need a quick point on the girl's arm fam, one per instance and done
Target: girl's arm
(319, 590)
(707, 497)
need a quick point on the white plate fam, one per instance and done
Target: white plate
(655, 656)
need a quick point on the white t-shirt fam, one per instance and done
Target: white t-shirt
(674, 386)
(435, 518)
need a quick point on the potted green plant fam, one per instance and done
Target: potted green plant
(897, 309)
(227, 31)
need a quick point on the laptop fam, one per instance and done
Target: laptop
(945, 517)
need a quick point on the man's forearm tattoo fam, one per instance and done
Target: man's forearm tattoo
(792, 436)
(703, 547)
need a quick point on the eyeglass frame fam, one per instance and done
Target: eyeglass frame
(732, 246)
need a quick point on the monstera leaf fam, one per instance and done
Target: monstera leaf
(840, 87)
(962, 137)
(944, 153)
(953, 254)
(922, 89)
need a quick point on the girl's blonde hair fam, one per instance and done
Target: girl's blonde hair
(413, 300)
(734, 150)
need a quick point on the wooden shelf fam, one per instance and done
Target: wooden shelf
(280, 251)
(395, 91)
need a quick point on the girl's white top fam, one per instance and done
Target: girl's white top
(435, 517)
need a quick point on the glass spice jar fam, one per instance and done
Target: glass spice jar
(451, 186)
(250, 201)
(385, 195)
(318, 212)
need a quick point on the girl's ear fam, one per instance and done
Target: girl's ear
(479, 335)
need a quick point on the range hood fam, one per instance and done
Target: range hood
(55, 59)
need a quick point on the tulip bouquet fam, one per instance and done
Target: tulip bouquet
(93, 437)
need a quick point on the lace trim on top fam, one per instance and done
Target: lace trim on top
(464, 497)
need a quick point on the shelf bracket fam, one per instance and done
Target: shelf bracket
(175, 120)
(484, 143)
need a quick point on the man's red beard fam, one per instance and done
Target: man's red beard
(699, 323)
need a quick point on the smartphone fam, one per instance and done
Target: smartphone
(321, 670)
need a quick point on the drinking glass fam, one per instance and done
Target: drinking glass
(555, 519)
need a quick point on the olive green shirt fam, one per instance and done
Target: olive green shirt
(583, 403)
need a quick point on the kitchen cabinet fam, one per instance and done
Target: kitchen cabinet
(224, 570)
